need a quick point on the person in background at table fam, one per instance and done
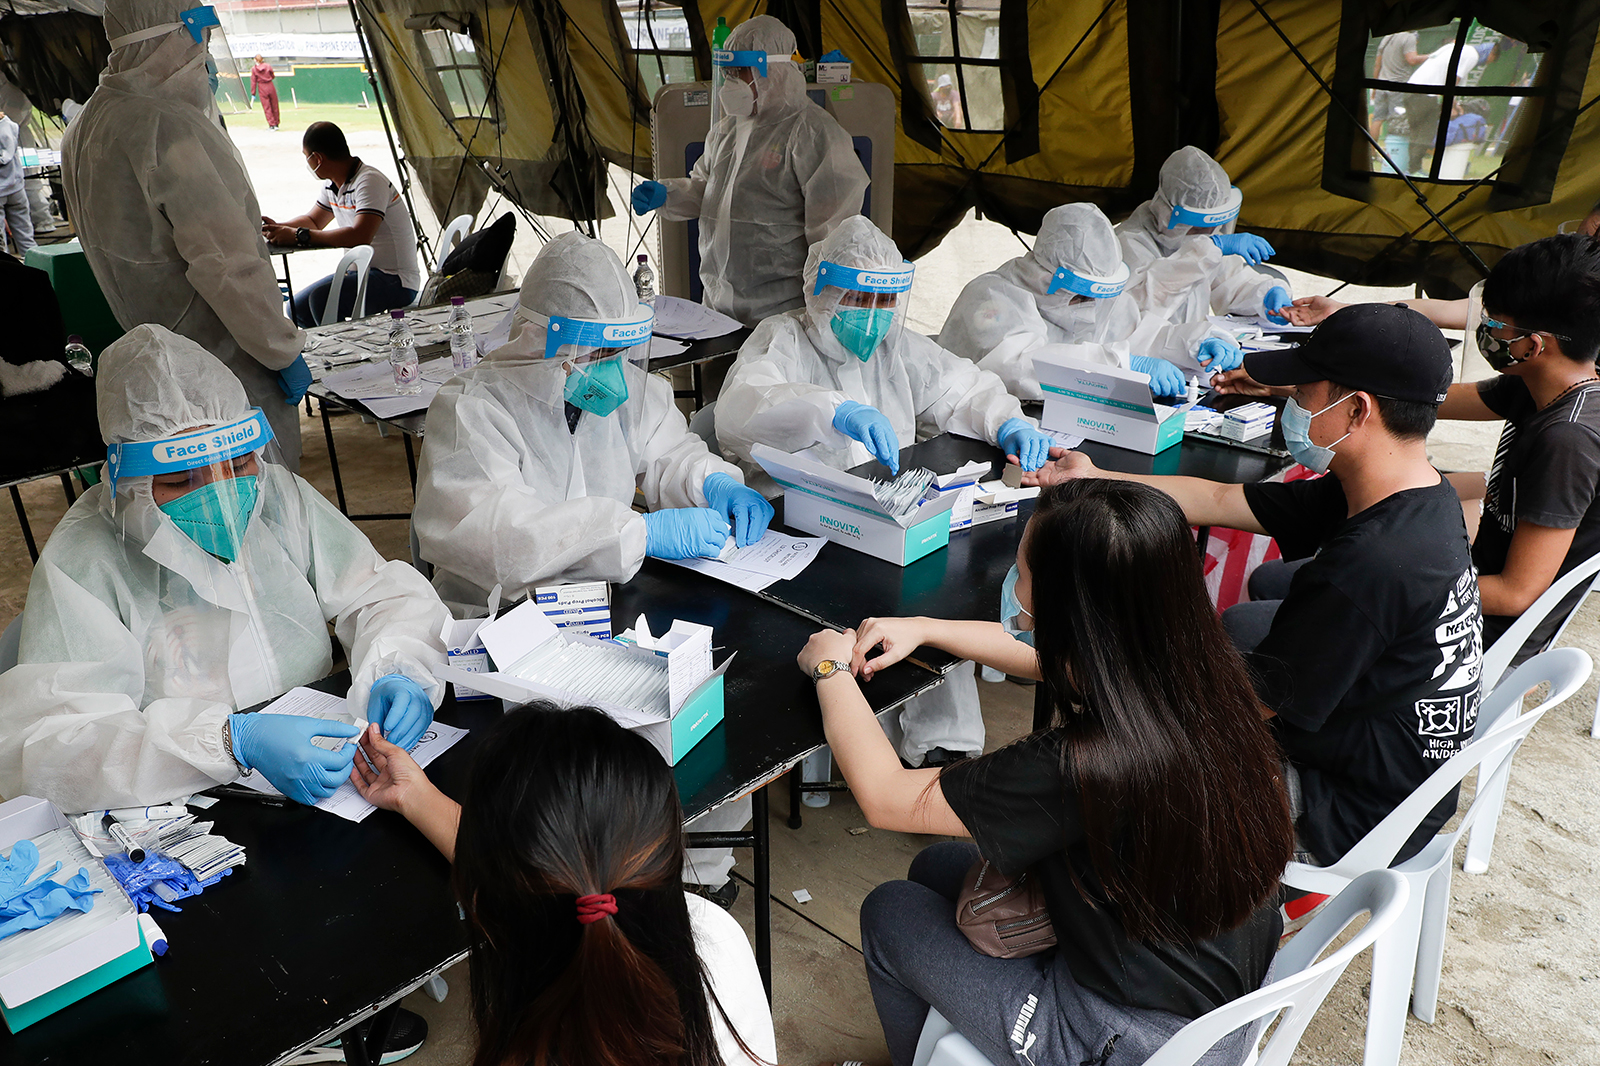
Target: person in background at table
(1446, 314)
(532, 459)
(1370, 662)
(585, 949)
(778, 174)
(1540, 499)
(364, 208)
(1065, 298)
(843, 382)
(261, 78)
(13, 194)
(1151, 810)
(164, 207)
(196, 580)
(1187, 261)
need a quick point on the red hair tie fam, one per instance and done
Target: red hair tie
(593, 908)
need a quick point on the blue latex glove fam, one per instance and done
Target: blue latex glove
(1252, 248)
(647, 196)
(295, 379)
(871, 427)
(684, 533)
(279, 745)
(1277, 298)
(1165, 379)
(401, 709)
(1218, 355)
(1020, 439)
(744, 507)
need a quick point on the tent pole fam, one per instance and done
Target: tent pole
(1421, 197)
(394, 151)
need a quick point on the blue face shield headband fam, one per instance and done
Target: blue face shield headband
(1216, 216)
(584, 333)
(843, 277)
(203, 447)
(1098, 288)
(725, 58)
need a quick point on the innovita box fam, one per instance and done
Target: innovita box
(1107, 404)
(841, 507)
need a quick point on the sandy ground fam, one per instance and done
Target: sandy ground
(1521, 982)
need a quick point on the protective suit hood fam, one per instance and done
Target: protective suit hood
(784, 87)
(573, 276)
(855, 243)
(1080, 238)
(146, 67)
(152, 383)
(1189, 177)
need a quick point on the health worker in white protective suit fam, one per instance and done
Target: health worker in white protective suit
(166, 213)
(1187, 261)
(532, 457)
(198, 579)
(842, 381)
(1065, 300)
(778, 174)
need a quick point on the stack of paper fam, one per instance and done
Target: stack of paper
(690, 321)
(775, 557)
(372, 384)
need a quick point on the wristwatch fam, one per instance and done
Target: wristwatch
(302, 237)
(829, 668)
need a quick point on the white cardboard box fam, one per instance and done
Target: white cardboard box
(696, 701)
(841, 507)
(1107, 404)
(584, 605)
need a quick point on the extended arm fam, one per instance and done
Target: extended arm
(1204, 503)
(1532, 562)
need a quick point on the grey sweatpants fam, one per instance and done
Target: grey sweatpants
(1027, 1011)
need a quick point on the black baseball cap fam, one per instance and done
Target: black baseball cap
(1378, 348)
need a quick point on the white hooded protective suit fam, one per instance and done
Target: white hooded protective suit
(1180, 275)
(768, 186)
(137, 644)
(507, 495)
(793, 373)
(167, 216)
(1004, 318)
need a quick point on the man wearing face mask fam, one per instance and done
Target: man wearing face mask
(1187, 261)
(1065, 298)
(843, 381)
(166, 213)
(1370, 662)
(778, 174)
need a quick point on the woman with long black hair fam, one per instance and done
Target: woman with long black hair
(1151, 810)
(568, 850)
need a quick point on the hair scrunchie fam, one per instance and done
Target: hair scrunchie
(593, 908)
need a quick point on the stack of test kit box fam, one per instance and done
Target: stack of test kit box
(1104, 403)
(55, 965)
(846, 509)
(664, 688)
(1247, 421)
(583, 607)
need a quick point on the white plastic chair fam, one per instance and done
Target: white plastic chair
(458, 228)
(358, 259)
(1414, 948)
(1495, 661)
(1298, 985)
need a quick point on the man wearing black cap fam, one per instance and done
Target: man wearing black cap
(1370, 663)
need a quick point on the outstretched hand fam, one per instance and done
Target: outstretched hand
(1068, 466)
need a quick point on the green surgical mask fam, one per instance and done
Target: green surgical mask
(214, 516)
(598, 388)
(862, 329)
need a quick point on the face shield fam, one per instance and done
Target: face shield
(604, 361)
(1186, 220)
(733, 81)
(206, 480)
(864, 308)
(202, 24)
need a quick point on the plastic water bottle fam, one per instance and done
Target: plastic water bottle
(403, 356)
(719, 33)
(78, 356)
(644, 281)
(463, 348)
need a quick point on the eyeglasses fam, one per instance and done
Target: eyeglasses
(1492, 346)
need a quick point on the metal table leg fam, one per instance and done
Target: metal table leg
(66, 487)
(333, 458)
(411, 462)
(763, 880)
(22, 520)
(369, 1051)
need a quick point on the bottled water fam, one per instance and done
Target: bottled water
(463, 348)
(403, 356)
(78, 356)
(644, 281)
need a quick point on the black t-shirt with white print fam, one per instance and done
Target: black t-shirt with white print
(1546, 471)
(1373, 659)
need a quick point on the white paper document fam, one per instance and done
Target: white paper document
(1245, 323)
(1062, 439)
(372, 384)
(775, 557)
(690, 321)
(346, 802)
(666, 347)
